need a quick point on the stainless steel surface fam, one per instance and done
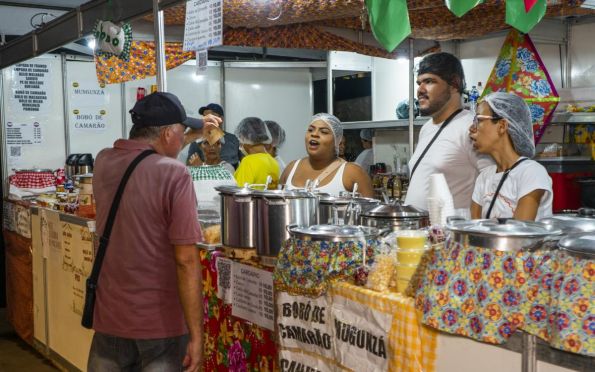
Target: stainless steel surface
(581, 221)
(342, 210)
(276, 210)
(509, 235)
(529, 354)
(333, 233)
(581, 245)
(567, 165)
(411, 97)
(238, 217)
(84, 169)
(395, 216)
(158, 29)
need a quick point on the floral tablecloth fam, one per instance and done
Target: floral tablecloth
(231, 344)
(487, 295)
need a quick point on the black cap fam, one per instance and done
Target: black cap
(160, 109)
(213, 107)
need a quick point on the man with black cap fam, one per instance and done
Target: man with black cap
(444, 145)
(148, 310)
(230, 150)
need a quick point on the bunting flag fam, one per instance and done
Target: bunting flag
(519, 70)
(529, 4)
(518, 17)
(460, 7)
(389, 20)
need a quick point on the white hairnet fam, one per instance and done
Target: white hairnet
(366, 134)
(334, 123)
(520, 128)
(252, 131)
(277, 133)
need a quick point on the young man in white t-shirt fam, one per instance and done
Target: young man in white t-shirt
(441, 81)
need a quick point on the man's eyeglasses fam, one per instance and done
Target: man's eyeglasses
(478, 118)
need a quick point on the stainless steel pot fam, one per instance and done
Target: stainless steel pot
(239, 218)
(504, 235)
(278, 209)
(581, 221)
(333, 233)
(396, 217)
(342, 210)
(581, 245)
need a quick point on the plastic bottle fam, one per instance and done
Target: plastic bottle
(473, 95)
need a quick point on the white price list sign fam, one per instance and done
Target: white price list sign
(204, 24)
(23, 133)
(252, 295)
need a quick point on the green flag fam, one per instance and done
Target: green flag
(460, 7)
(519, 18)
(389, 20)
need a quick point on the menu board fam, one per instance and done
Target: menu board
(30, 85)
(204, 24)
(252, 295)
(23, 133)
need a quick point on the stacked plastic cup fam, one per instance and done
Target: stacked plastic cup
(440, 202)
(411, 246)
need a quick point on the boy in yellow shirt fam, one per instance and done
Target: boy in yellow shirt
(257, 163)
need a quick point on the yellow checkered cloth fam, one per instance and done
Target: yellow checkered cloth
(412, 346)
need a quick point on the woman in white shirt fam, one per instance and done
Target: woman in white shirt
(516, 187)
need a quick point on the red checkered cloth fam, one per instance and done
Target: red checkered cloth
(33, 180)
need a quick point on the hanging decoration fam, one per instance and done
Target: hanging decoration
(389, 20)
(113, 40)
(519, 70)
(460, 7)
(529, 4)
(518, 17)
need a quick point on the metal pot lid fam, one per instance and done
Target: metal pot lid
(36, 170)
(335, 231)
(234, 190)
(581, 244)
(282, 194)
(330, 199)
(571, 222)
(506, 228)
(395, 211)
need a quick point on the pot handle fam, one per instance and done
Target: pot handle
(280, 201)
(289, 227)
(242, 199)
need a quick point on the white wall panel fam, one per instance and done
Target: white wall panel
(390, 86)
(279, 94)
(85, 140)
(582, 53)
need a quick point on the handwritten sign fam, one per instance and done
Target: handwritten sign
(30, 85)
(290, 361)
(252, 295)
(305, 323)
(204, 24)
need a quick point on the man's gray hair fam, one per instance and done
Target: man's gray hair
(147, 133)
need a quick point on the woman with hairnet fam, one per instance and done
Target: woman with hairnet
(257, 164)
(516, 187)
(366, 158)
(322, 166)
(278, 139)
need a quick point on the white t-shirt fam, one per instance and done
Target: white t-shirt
(451, 154)
(526, 177)
(365, 159)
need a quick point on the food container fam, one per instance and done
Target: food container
(35, 178)
(210, 225)
(580, 245)
(581, 221)
(395, 216)
(84, 164)
(504, 235)
(342, 210)
(238, 217)
(277, 209)
(86, 200)
(71, 165)
(333, 233)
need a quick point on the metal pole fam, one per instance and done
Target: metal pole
(329, 84)
(568, 65)
(529, 356)
(124, 112)
(411, 96)
(158, 28)
(65, 106)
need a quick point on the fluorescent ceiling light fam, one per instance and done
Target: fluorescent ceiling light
(588, 4)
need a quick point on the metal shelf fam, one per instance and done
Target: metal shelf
(399, 124)
(573, 118)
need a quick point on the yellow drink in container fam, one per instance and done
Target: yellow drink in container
(411, 239)
(404, 274)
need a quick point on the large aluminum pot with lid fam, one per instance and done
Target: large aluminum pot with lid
(504, 235)
(580, 245)
(239, 219)
(333, 233)
(342, 210)
(395, 216)
(581, 221)
(278, 209)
